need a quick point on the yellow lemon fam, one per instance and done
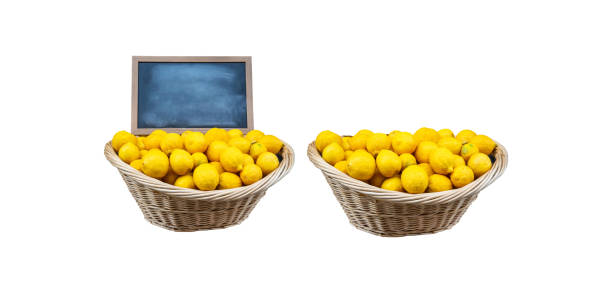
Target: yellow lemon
(377, 179)
(424, 150)
(414, 179)
(442, 161)
(438, 183)
(403, 143)
(458, 161)
(393, 133)
(446, 133)
(214, 150)
(250, 174)
(214, 134)
(231, 159)
(484, 143)
(333, 153)
(257, 149)
(217, 166)
(365, 132)
(426, 134)
(361, 165)
(129, 152)
(450, 143)
(229, 180)
(247, 160)
(253, 135)
(407, 160)
(325, 138)
(158, 132)
(206, 177)
(170, 142)
(394, 183)
(195, 142)
(427, 168)
(480, 164)
(122, 137)
(170, 177)
(388, 163)
(155, 164)
(377, 142)
(235, 133)
(185, 181)
(268, 162)
(345, 143)
(137, 164)
(467, 150)
(465, 135)
(272, 143)
(347, 154)
(341, 166)
(185, 133)
(462, 176)
(141, 144)
(358, 142)
(198, 159)
(154, 139)
(243, 144)
(181, 162)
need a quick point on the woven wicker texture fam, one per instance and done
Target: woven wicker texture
(182, 209)
(393, 214)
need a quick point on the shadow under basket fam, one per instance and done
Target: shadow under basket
(182, 209)
(394, 214)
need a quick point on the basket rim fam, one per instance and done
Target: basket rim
(497, 169)
(186, 193)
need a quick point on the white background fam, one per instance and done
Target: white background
(534, 75)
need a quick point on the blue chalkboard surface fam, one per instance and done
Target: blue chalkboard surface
(192, 95)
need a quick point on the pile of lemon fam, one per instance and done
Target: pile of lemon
(428, 161)
(217, 159)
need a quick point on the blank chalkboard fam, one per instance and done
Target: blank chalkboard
(186, 93)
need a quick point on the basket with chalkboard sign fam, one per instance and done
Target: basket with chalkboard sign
(191, 94)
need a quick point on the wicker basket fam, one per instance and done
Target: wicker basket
(393, 214)
(182, 209)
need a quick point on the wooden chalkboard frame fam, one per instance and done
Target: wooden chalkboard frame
(137, 59)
